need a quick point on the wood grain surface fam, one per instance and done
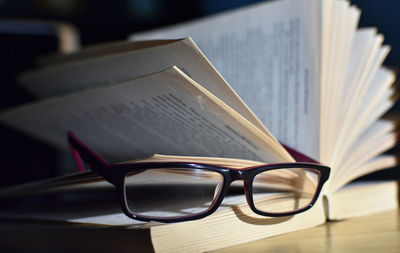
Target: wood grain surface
(374, 233)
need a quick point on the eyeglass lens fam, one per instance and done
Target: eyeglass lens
(284, 190)
(172, 193)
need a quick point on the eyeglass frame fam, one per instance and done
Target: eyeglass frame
(115, 174)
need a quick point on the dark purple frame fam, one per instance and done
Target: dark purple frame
(115, 174)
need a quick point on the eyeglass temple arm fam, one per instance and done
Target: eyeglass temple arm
(82, 152)
(298, 156)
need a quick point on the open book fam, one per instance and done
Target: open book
(300, 72)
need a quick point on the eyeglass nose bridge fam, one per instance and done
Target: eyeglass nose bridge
(243, 175)
(238, 175)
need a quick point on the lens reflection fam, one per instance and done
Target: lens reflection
(171, 193)
(284, 190)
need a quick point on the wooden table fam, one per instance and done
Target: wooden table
(375, 233)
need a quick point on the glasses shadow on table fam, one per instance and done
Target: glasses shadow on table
(248, 216)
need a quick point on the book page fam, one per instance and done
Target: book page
(352, 97)
(378, 99)
(113, 63)
(165, 113)
(380, 162)
(269, 53)
(340, 24)
(375, 140)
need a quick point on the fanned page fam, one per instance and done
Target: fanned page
(124, 61)
(339, 27)
(381, 136)
(355, 92)
(166, 113)
(377, 100)
(270, 54)
(365, 59)
(352, 134)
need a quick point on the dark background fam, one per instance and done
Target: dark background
(22, 158)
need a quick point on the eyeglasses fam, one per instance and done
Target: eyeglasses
(182, 191)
